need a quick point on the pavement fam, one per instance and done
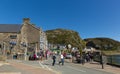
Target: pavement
(98, 66)
(72, 68)
(20, 68)
(107, 68)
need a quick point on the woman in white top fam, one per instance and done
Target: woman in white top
(62, 59)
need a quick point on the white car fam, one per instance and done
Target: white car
(68, 56)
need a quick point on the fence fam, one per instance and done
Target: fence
(111, 59)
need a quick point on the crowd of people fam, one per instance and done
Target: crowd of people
(44, 55)
(85, 57)
(40, 55)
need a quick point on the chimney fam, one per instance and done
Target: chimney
(26, 20)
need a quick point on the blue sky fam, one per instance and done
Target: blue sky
(91, 18)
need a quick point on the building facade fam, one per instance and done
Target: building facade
(43, 41)
(20, 38)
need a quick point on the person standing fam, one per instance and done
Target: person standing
(34, 56)
(62, 59)
(54, 59)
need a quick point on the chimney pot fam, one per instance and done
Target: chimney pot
(26, 20)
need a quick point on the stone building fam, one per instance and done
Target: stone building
(43, 41)
(8, 35)
(19, 37)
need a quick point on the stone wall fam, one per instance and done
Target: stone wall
(30, 34)
(5, 37)
(5, 40)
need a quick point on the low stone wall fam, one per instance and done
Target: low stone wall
(2, 58)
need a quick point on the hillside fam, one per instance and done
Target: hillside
(64, 37)
(103, 43)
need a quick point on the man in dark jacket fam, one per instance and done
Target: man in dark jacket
(54, 59)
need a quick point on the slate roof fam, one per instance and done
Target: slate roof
(10, 28)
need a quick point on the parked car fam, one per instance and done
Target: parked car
(78, 59)
(68, 56)
(32, 57)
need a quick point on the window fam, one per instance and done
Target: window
(13, 36)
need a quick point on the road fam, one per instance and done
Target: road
(68, 68)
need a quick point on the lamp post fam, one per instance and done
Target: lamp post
(101, 60)
(25, 53)
(4, 47)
